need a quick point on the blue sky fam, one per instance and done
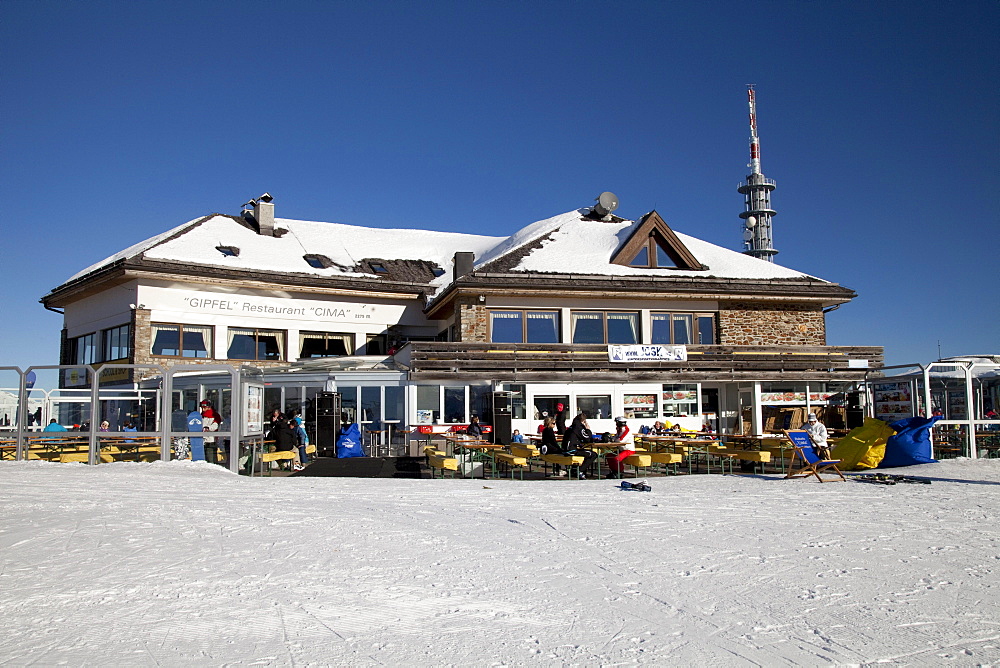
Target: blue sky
(879, 122)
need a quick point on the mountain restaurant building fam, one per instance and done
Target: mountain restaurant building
(423, 329)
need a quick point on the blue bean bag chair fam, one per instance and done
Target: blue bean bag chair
(911, 444)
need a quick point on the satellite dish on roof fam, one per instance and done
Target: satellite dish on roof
(606, 203)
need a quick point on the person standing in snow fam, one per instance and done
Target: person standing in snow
(818, 435)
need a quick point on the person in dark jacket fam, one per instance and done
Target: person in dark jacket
(561, 419)
(475, 430)
(286, 440)
(550, 444)
(577, 436)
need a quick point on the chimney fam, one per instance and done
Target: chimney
(263, 212)
(464, 262)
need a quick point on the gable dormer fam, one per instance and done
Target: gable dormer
(653, 245)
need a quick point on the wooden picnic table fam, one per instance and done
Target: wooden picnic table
(479, 447)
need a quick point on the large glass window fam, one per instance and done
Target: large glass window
(371, 405)
(84, 349)
(394, 402)
(116, 343)
(325, 344)
(349, 401)
(518, 400)
(597, 406)
(683, 328)
(605, 327)
(454, 405)
(428, 404)
(524, 326)
(377, 344)
(680, 399)
(182, 340)
(256, 344)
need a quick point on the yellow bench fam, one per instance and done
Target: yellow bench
(524, 450)
(279, 456)
(82, 457)
(512, 461)
(639, 460)
(563, 460)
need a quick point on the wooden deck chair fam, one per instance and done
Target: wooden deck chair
(805, 462)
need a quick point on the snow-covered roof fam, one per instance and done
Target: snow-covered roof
(570, 243)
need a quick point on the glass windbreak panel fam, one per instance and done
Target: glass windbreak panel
(662, 259)
(706, 330)
(428, 404)
(623, 328)
(641, 258)
(596, 406)
(506, 327)
(588, 327)
(371, 405)
(454, 405)
(543, 326)
(349, 401)
(166, 340)
(950, 441)
(272, 402)
(394, 408)
(661, 328)
(682, 328)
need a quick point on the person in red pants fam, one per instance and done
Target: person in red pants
(616, 460)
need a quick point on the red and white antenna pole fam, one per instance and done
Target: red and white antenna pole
(754, 140)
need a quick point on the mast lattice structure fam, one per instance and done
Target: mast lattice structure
(756, 191)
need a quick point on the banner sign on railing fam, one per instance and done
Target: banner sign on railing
(653, 353)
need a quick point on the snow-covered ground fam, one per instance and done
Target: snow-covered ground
(187, 564)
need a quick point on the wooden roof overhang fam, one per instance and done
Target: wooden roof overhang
(524, 362)
(558, 286)
(124, 270)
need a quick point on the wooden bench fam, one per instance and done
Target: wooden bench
(563, 460)
(438, 460)
(640, 460)
(82, 457)
(667, 459)
(279, 456)
(757, 456)
(512, 462)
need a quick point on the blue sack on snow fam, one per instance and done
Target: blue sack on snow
(911, 444)
(349, 442)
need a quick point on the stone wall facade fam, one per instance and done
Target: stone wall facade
(756, 324)
(472, 320)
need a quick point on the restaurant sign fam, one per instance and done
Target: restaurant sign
(652, 353)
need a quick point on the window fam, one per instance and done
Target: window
(524, 326)
(428, 404)
(683, 328)
(182, 340)
(83, 349)
(605, 327)
(454, 405)
(376, 344)
(256, 344)
(325, 344)
(596, 406)
(652, 255)
(379, 269)
(116, 345)
(318, 261)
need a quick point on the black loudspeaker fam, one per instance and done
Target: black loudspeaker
(327, 423)
(855, 418)
(854, 400)
(501, 417)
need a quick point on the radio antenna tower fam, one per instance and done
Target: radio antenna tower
(757, 197)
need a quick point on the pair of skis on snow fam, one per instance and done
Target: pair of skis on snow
(886, 479)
